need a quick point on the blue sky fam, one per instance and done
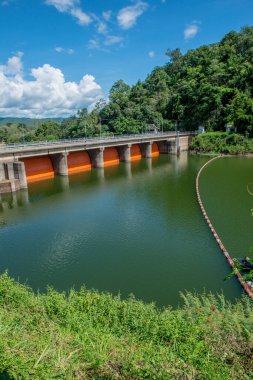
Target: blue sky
(59, 55)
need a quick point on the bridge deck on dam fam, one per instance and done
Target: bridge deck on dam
(24, 163)
(45, 147)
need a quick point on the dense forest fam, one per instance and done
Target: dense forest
(209, 86)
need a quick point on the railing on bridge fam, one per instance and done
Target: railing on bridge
(98, 139)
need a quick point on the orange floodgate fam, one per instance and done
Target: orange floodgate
(135, 152)
(111, 157)
(78, 162)
(38, 168)
(155, 150)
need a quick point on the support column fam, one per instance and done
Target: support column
(146, 149)
(20, 173)
(2, 172)
(10, 170)
(184, 142)
(125, 153)
(173, 146)
(60, 163)
(97, 157)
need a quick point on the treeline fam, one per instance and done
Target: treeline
(210, 86)
(91, 335)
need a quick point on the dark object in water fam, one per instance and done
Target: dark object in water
(246, 264)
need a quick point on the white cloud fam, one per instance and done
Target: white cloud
(93, 44)
(14, 65)
(71, 7)
(107, 15)
(102, 28)
(46, 95)
(60, 49)
(63, 5)
(151, 54)
(127, 16)
(82, 18)
(112, 40)
(191, 31)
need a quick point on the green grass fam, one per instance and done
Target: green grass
(91, 335)
(221, 142)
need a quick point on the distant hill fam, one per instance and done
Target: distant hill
(29, 122)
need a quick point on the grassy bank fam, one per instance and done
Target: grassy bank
(221, 142)
(89, 335)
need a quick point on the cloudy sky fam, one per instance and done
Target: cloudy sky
(57, 56)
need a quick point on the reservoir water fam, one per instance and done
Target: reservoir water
(133, 228)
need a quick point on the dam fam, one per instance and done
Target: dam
(21, 164)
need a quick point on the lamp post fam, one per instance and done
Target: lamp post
(100, 126)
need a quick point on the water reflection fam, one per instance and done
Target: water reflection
(37, 191)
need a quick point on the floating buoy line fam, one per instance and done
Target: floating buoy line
(245, 286)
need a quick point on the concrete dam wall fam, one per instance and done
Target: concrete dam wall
(21, 165)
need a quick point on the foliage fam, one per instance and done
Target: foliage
(221, 142)
(13, 133)
(91, 335)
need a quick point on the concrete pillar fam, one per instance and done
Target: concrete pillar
(184, 142)
(10, 170)
(20, 173)
(173, 146)
(97, 157)
(60, 163)
(146, 149)
(2, 172)
(125, 153)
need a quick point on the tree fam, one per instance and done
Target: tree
(48, 130)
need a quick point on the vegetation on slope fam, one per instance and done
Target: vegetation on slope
(209, 86)
(88, 335)
(221, 142)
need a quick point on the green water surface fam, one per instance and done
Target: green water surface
(133, 228)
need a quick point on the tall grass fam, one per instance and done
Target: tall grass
(91, 335)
